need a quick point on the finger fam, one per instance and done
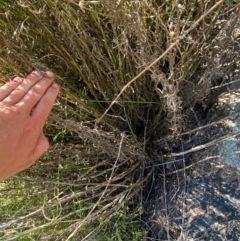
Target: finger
(44, 106)
(20, 91)
(6, 89)
(41, 147)
(37, 91)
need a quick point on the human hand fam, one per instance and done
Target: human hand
(24, 107)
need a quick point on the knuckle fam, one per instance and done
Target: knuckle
(16, 81)
(16, 110)
(20, 90)
(47, 101)
(11, 113)
(10, 84)
(36, 90)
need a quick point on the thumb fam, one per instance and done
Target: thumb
(41, 147)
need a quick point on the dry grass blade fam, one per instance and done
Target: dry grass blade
(160, 57)
(79, 225)
(135, 78)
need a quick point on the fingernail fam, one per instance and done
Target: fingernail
(49, 74)
(37, 73)
(55, 85)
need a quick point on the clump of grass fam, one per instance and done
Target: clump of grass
(139, 58)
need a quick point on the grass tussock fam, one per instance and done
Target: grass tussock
(129, 74)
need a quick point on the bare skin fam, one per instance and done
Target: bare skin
(24, 107)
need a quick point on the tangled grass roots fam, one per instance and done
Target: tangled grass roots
(148, 59)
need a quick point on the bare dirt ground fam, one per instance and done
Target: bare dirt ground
(196, 194)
